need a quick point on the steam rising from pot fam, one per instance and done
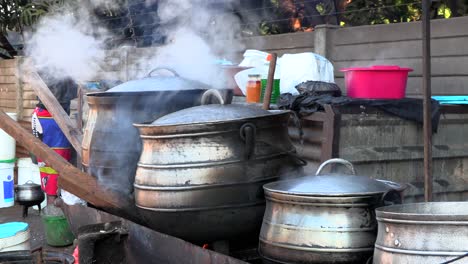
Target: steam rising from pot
(197, 35)
(66, 44)
(69, 43)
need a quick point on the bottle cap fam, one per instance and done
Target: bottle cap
(254, 75)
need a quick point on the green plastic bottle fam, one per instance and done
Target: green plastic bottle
(275, 93)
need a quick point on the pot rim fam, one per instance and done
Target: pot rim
(139, 93)
(275, 113)
(323, 194)
(391, 186)
(409, 212)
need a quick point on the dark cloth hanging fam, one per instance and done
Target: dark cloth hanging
(407, 108)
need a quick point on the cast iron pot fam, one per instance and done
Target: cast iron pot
(323, 218)
(202, 169)
(29, 194)
(111, 145)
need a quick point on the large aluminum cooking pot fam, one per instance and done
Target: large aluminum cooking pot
(422, 233)
(202, 169)
(111, 145)
(323, 219)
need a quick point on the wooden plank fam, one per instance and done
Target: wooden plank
(29, 95)
(28, 87)
(11, 63)
(330, 134)
(7, 87)
(29, 104)
(8, 79)
(7, 94)
(7, 71)
(7, 109)
(27, 115)
(8, 103)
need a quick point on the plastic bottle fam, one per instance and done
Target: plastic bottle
(254, 86)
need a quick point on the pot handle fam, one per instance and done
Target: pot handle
(159, 69)
(300, 161)
(391, 197)
(247, 133)
(399, 187)
(346, 163)
(212, 92)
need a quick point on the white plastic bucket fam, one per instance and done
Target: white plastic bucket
(7, 185)
(14, 236)
(7, 143)
(28, 171)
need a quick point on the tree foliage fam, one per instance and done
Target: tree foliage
(15, 15)
(302, 15)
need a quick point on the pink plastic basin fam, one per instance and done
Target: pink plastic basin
(376, 82)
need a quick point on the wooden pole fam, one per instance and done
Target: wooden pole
(69, 129)
(71, 179)
(426, 47)
(270, 82)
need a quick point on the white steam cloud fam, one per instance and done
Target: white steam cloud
(66, 44)
(197, 36)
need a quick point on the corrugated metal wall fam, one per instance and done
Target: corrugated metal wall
(387, 147)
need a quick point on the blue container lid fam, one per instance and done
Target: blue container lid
(12, 228)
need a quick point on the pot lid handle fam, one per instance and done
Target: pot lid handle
(346, 163)
(160, 69)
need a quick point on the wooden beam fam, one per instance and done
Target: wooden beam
(69, 129)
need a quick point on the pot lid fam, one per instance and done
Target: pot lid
(29, 184)
(11, 229)
(211, 113)
(329, 185)
(332, 184)
(159, 81)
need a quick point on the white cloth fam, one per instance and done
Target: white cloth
(302, 67)
(71, 199)
(291, 69)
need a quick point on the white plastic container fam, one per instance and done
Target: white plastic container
(28, 171)
(7, 185)
(7, 143)
(14, 236)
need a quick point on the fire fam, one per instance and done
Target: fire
(296, 24)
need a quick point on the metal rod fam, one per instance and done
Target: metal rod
(426, 82)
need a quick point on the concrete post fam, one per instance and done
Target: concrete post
(322, 42)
